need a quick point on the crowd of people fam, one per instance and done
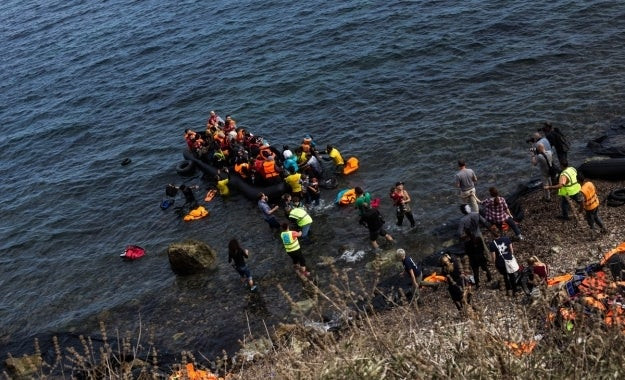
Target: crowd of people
(494, 215)
(224, 145)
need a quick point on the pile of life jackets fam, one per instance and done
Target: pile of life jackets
(595, 291)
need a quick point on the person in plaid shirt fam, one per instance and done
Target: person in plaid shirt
(496, 211)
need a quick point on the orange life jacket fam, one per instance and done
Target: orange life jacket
(619, 249)
(351, 165)
(594, 284)
(435, 278)
(264, 152)
(591, 201)
(242, 169)
(348, 197)
(269, 169)
(306, 147)
(519, 349)
(195, 214)
(559, 279)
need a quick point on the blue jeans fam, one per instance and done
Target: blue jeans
(512, 225)
(305, 231)
(564, 204)
(592, 217)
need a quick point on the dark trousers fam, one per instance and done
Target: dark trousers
(592, 217)
(407, 213)
(509, 279)
(477, 259)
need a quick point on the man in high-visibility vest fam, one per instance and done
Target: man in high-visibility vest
(590, 203)
(568, 188)
(300, 216)
(291, 245)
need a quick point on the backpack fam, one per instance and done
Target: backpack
(553, 172)
(560, 140)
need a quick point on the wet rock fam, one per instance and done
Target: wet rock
(23, 367)
(191, 257)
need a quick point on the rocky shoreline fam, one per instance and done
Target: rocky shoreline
(563, 245)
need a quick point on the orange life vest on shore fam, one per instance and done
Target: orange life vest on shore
(619, 249)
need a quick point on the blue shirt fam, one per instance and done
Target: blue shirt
(410, 264)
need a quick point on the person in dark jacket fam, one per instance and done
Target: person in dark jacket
(456, 281)
(237, 256)
(372, 219)
(557, 140)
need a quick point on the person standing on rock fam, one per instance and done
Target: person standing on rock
(557, 140)
(544, 160)
(237, 256)
(590, 203)
(501, 253)
(474, 245)
(568, 189)
(465, 180)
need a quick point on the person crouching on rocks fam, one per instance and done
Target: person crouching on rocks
(412, 269)
(456, 281)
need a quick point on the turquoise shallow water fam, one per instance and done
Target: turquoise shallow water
(408, 87)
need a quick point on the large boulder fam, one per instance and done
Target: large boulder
(190, 257)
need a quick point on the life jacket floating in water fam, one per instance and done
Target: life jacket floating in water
(133, 252)
(346, 197)
(351, 165)
(195, 214)
(210, 195)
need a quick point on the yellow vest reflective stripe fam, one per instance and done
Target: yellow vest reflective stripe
(571, 187)
(301, 216)
(290, 244)
(591, 201)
